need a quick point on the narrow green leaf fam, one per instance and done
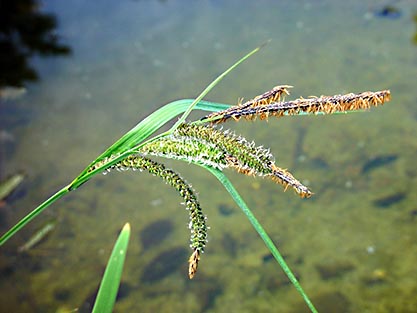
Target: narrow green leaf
(150, 125)
(258, 227)
(211, 86)
(106, 296)
(156, 120)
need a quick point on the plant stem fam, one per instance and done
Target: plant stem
(33, 214)
(258, 227)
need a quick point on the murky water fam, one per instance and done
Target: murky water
(352, 245)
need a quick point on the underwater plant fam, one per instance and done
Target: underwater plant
(201, 143)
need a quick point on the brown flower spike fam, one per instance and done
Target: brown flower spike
(313, 105)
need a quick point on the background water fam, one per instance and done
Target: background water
(353, 245)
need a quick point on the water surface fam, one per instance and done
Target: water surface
(352, 244)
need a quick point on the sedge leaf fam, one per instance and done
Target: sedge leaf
(262, 233)
(106, 296)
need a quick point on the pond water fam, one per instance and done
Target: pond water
(352, 245)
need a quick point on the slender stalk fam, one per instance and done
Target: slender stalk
(258, 227)
(33, 214)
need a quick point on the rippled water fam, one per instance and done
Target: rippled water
(352, 245)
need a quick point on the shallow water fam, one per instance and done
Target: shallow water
(352, 244)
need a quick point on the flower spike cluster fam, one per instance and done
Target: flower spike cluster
(202, 143)
(222, 149)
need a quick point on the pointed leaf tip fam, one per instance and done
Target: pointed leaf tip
(126, 227)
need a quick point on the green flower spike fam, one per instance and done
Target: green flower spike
(197, 223)
(222, 149)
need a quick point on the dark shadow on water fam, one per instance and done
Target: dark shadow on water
(25, 32)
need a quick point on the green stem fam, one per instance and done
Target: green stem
(258, 227)
(33, 214)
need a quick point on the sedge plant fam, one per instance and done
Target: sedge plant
(201, 143)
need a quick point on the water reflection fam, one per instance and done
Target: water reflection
(25, 32)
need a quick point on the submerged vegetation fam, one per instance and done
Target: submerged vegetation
(202, 143)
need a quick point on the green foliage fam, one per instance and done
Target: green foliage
(106, 296)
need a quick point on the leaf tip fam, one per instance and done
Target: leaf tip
(126, 227)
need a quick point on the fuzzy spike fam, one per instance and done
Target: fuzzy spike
(266, 98)
(286, 179)
(197, 218)
(222, 149)
(314, 105)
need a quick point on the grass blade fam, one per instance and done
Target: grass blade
(258, 227)
(106, 296)
(212, 85)
(151, 124)
(156, 120)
